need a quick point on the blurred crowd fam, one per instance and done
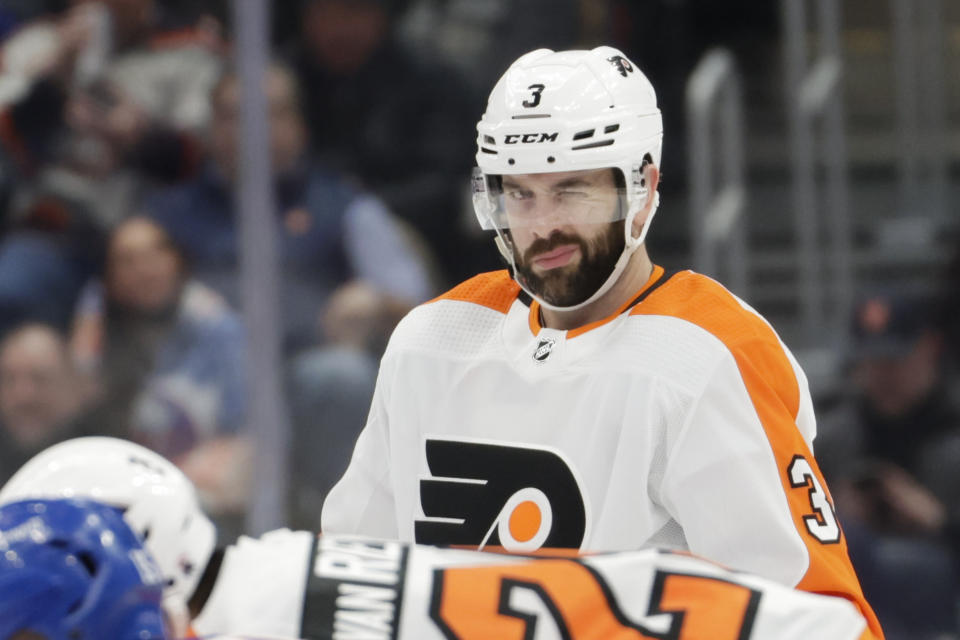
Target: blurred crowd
(120, 287)
(120, 308)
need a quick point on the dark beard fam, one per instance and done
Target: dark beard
(561, 288)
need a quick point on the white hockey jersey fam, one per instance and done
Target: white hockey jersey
(260, 586)
(680, 421)
(346, 587)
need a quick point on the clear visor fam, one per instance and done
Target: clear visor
(548, 199)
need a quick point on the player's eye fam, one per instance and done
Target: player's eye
(519, 194)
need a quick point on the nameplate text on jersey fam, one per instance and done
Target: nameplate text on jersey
(354, 589)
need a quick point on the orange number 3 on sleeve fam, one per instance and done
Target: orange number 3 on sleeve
(509, 602)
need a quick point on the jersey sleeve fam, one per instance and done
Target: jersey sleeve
(742, 481)
(368, 588)
(259, 587)
(363, 501)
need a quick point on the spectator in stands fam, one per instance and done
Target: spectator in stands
(39, 395)
(164, 357)
(50, 249)
(95, 101)
(103, 87)
(483, 39)
(331, 233)
(378, 112)
(39, 273)
(891, 453)
(346, 263)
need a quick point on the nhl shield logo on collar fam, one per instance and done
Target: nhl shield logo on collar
(544, 349)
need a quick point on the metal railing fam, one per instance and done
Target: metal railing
(718, 194)
(268, 422)
(816, 126)
(918, 35)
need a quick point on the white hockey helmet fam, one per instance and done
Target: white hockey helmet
(569, 111)
(158, 502)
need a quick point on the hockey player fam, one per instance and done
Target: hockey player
(585, 398)
(74, 570)
(295, 584)
(351, 587)
(158, 502)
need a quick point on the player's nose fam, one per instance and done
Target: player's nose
(545, 220)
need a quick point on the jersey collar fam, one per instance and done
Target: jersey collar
(656, 278)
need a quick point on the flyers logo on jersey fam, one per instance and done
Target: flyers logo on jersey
(483, 494)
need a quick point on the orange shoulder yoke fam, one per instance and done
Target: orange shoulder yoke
(706, 303)
(770, 381)
(495, 290)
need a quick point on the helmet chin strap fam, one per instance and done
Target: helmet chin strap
(629, 246)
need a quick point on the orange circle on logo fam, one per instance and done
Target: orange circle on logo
(525, 521)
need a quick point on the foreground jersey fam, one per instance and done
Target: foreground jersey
(346, 587)
(681, 421)
(260, 586)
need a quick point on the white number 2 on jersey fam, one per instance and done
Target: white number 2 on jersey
(823, 524)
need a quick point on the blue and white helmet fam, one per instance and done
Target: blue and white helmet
(157, 500)
(569, 111)
(74, 570)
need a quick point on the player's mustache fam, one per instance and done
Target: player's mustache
(556, 239)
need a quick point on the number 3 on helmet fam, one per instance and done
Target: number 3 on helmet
(158, 502)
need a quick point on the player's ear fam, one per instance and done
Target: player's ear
(650, 180)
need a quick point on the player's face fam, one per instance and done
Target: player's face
(566, 230)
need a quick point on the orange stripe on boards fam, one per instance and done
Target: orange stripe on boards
(495, 290)
(774, 391)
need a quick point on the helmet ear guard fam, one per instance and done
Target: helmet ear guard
(640, 199)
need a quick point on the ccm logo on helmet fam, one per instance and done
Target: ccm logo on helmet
(488, 494)
(527, 138)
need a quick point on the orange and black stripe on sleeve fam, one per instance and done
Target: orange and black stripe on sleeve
(774, 390)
